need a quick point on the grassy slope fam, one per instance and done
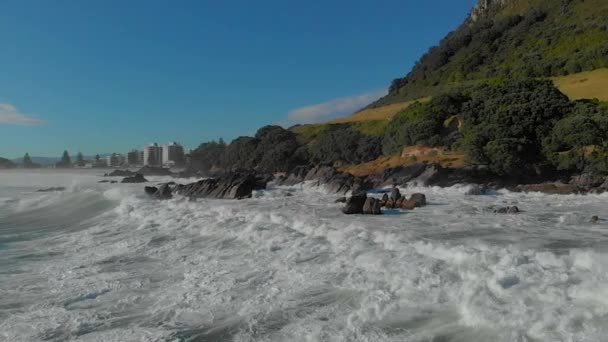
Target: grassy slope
(585, 85)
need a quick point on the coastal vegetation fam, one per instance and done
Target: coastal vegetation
(517, 90)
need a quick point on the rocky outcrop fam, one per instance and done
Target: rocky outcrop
(485, 8)
(234, 185)
(138, 178)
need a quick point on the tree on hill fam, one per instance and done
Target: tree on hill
(65, 160)
(526, 39)
(28, 163)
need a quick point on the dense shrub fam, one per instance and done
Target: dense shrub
(342, 143)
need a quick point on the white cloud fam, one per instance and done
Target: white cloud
(333, 108)
(9, 115)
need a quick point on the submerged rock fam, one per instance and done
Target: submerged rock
(595, 219)
(59, 188)
(138, 178)
(507, 210)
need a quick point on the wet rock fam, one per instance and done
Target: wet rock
(595, 219)
(372, 206)
(59, 188)
(104, 181)
(234, 185)
(340, 200)
(354, 205)
(150, 190)
(138, 178)
(477, 190)
(113, 182)
(507, 210)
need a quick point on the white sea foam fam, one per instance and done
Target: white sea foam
(282, 267)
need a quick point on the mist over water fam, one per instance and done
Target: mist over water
(102, 262)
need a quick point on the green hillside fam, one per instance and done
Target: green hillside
(511, 39)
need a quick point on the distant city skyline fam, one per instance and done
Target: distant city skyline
(197, 70)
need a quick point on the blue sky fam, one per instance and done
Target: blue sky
(102, 76)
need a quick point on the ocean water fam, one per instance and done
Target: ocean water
(102, 262)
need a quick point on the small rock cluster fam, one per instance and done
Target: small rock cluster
(359, 203)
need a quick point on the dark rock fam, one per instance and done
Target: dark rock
(234, 185)
(395, 194)
(113, 182)
(340, 200)
(150, 190)
(595, 219)
(372, 206)
(138, 178)
(430, 176)
(512, 210)
(164, 192)
(121, 173)
(104, 181)
(59, 188)
(507, 210)
(354, 205)
(477, 190)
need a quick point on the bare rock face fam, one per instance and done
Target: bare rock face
(486, 7)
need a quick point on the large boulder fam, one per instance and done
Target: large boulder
(372, 206)
(138, 178)
(417, 200)
(587, 181)
(354, 204)
(234, 185)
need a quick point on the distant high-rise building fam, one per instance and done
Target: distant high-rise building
(173, 154)
(115, 160)
(135, 157)
(153, 155)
